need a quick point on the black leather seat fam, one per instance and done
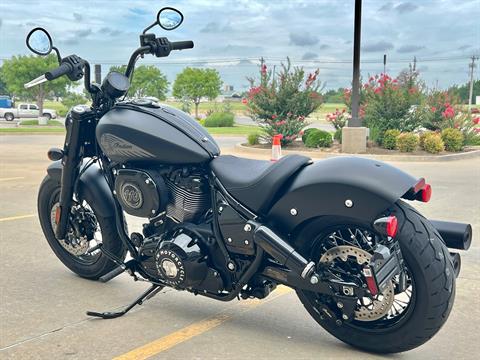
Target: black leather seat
(254, 183)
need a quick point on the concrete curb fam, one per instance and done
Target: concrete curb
(246, 150)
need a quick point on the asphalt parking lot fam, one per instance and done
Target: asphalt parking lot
(43, 304)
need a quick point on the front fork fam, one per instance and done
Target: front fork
(71, 160)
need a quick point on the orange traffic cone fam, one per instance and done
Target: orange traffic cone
(276, 148)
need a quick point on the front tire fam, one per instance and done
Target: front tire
(433, 279)
(87, 266)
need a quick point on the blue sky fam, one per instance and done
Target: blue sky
(231, 35)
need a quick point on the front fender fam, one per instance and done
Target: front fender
(92, 187)
(324, 188)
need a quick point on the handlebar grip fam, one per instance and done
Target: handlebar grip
(181, 45)
(63, 69)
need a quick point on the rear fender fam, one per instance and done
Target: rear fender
(92, 187)
(347, 187)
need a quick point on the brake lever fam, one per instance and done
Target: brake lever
(37, 81)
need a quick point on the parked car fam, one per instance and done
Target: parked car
(5, 101)
(26, 111)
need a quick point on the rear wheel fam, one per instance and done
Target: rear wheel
(47, 116)
(9, 116)
(393, 321)
(86, 229)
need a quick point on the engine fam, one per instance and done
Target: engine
(182, 194)
(180, 261)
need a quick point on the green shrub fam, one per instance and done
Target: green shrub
(319, 138)
(407, 142)
(253, 139)
(338, 135)
(390, 139)
(220, 119)
(422, 136)
(433, 143)
(306, 132)
(452, 139)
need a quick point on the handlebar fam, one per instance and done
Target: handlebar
(63, 69)
(181, 45)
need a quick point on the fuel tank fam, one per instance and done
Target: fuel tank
(143, 131)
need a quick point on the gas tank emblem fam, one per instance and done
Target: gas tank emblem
(115, 146)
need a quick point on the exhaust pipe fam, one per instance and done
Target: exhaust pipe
(456, 235)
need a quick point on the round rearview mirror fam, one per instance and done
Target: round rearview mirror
(169, 18)
(39, 41)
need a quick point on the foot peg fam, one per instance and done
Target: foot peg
(112, 274)
(151, 292)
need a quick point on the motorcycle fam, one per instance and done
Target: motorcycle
(367, 266)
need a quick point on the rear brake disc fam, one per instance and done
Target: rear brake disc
(367, 309)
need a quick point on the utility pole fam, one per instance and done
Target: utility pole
(384, 63)
(355, 121)
(470, 93)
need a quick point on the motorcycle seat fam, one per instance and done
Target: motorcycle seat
(255, 183)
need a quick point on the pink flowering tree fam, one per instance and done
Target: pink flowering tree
(280, 105)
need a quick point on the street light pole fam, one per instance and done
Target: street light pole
(355, 120)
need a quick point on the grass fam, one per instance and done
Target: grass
(235, 130)
(35, 122)
(31, 130)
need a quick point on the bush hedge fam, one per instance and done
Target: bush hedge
(306, 132)
(338, 135)
(407, 142)
(319, 138)
(453, 139)
(253, 139)
(219, 119)
(390, 139)
(433, 143)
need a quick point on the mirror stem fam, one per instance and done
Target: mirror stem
(59, 58)
(149, 27)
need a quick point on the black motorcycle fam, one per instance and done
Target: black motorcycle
(367, 266)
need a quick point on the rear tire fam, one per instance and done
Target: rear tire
(9, 117)
(47, 116)
(47, 197)
(428, 261)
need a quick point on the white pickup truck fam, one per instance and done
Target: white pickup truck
(26, 111)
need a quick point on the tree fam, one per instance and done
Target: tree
(193, 84)
(3, 85)
(463, 91)
(146, 81)
(21, 69)
(72, 99)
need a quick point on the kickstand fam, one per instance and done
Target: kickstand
(151, 292)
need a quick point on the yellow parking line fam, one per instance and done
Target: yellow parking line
(17, 217)
(167, 342)
(12, 178)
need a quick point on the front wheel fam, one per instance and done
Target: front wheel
(393, 321)
(85, 230)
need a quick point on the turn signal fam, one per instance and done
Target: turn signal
(426, 193)
(392, 226)
(387, 225)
